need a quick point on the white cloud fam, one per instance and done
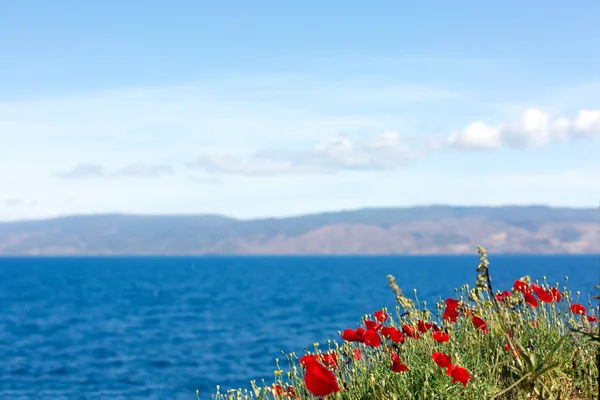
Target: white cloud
(83, 171)
(89, 171)
(384, 152)
(14, 202)
(534, 128)
(586, 124)
(476, 135)
(244, 165)
(143, 171)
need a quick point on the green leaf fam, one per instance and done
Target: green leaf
(592, 338)
(534, 362)
(511, 374)
(553, 350)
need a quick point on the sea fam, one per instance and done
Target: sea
(163, 327)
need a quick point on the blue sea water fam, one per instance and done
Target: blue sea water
(160, 328)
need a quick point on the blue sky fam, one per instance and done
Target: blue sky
(269, 108)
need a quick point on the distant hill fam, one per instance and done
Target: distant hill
(415, 230)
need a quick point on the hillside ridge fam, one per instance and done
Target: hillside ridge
(435, 229)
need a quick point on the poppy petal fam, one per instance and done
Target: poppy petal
(440, 336)
(349, 335)
(459, 374)
(372, 325)
(451, 303)
(501, 297)
(442, 360)
(578, 309)
(410, 332)
(542, 294)
(380, 316)
(556, 294)
(530, 299)
(480, 324)
(372, 339)
(319, 380)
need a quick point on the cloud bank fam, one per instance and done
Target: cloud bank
(89, 171)
(391, 151)
(347, 144)
(534, 128)
(386, 151)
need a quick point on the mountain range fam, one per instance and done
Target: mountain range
(413, 230)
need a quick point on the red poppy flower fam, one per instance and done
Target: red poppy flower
(458, 374)
(386, 331)
(279, 391)
(542, 294)
(435, 328)
(440, 336)
(592, 318)
(521, 286)
(360, 335)
(397, 336)
(349, 335)
(372, 325)
(380, 316)
(329, 359)
(372, 339)
(319, 380)
(515, 353)
(556, 294)
(393, 334)
(450, 314)
(501, 297)
(423, 326)
(357, 355)
(578, 309)
(410, 332)
(451, 303)
(397, 366)
(530, 299)
(442, 360)
(480, 324)
(307, 358)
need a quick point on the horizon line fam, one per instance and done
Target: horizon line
(308, 214)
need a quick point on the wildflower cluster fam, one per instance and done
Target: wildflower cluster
(479, 344)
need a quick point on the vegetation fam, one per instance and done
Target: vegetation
(534, 341)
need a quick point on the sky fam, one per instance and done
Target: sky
(275, 108)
